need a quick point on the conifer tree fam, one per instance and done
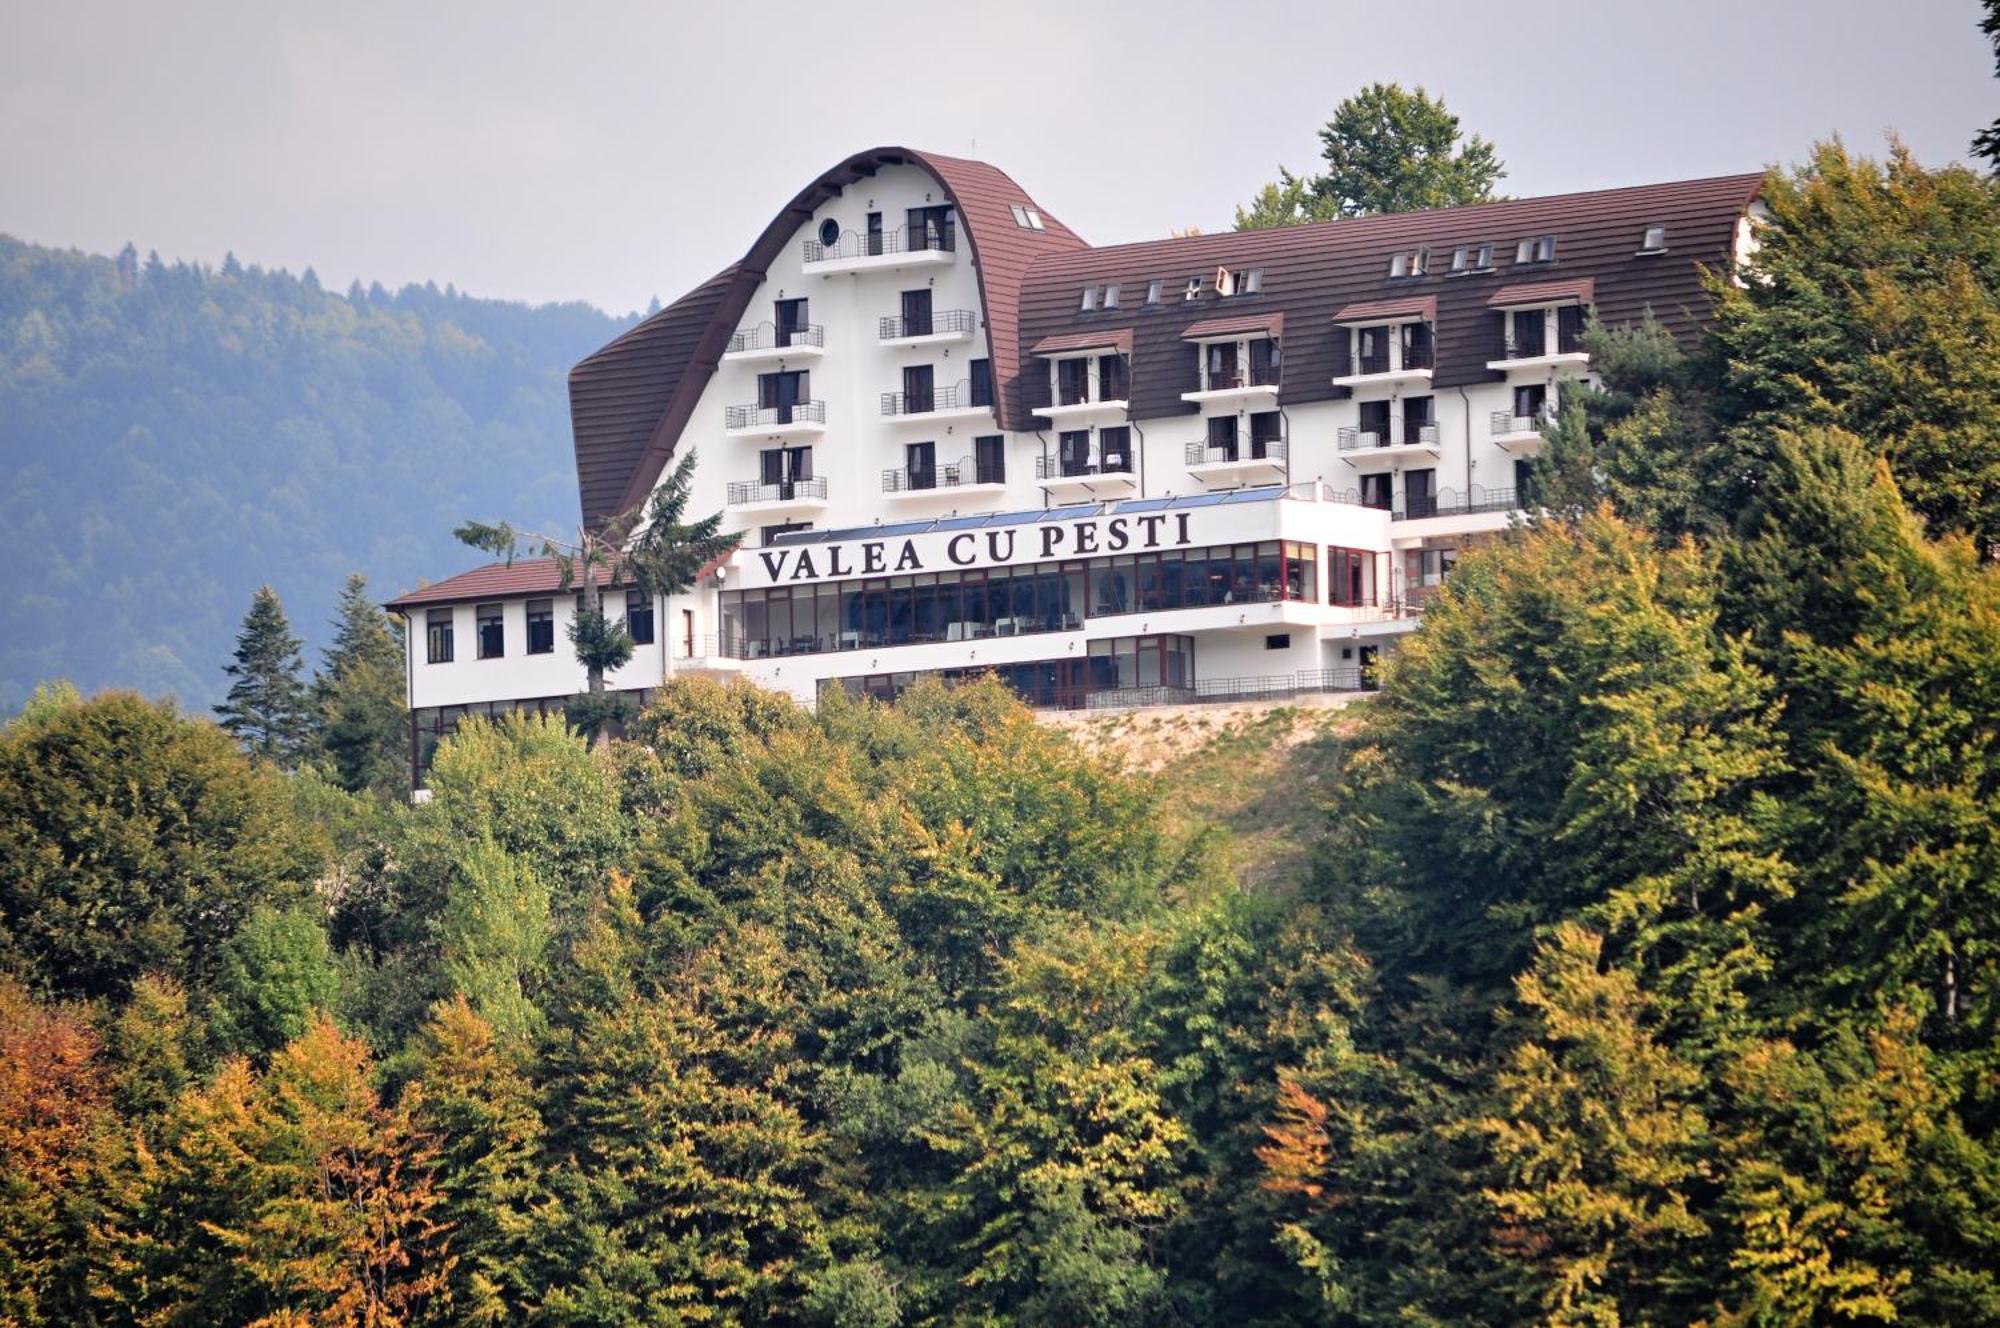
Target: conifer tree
(359, 695)
(266, 706)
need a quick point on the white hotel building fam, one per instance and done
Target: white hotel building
(959, 439)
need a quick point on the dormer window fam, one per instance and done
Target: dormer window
(1538, 249)
(1409, 262)
(1654, 241)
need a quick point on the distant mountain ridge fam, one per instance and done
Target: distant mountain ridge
(171, 436)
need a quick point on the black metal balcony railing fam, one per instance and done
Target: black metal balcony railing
(1419, 355)
(769, 336)
(1236, 379)
(1059, 467)
(770, 417)
(1569, 340)
(1374, 360)
(959, 396)
(952, 475)
(781, 491)
(1451, 502)
(898, 326)
(854, 244)
(1202, 452)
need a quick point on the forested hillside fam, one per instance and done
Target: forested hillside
(172, 435)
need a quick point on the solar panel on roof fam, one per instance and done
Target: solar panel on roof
(1263, 495)
(961, 523)
(1143, 505)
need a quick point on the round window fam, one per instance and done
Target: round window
(829, 233)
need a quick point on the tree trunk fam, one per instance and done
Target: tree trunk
(593, 604)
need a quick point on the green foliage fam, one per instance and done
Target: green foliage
(266, 706)
(1386, 150)
(134, 840)
(1987, 144)
(238, 421)
(276, 974)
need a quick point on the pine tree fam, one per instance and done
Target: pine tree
(266, 706)
(359, 695)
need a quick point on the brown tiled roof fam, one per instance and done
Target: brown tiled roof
(630, 401)
(1365, 311)
(1543, 292)
(1271, 320)
(1109, 338)
(524, 576)
(1312, 271)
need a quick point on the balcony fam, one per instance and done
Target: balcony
(958, 402)
(768, 341)
(1223, 465)
(1095, 477)
(959, 479)
(1475, 501)
(1254, 389)
(1079, 407)
(883, 251)
(1518, 435)
(1367, 449)
(946, 325)
(708, 653)
(803, 419)
(784, 497)
(1403, 366)
(1563, 351)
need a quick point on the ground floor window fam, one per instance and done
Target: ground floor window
(1163, 665)
(1010, 601)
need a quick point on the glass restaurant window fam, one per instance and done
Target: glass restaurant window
(541, 626)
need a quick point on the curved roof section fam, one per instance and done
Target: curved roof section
(1316, 272)
(630, 400)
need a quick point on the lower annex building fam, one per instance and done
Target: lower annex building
(958, 439)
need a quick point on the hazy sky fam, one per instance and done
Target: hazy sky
(613, 152)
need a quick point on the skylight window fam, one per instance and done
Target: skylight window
(1409, 262)
(1034, 220)
(1111, 296)
(1089, 299)
(1193, 291)
(1538, 249)
(1655, 241)
(1469, 258)
(1020, 215)
(1153, 290)
(1251, 282)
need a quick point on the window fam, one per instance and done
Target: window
(437, 636)
(1221, 438)
(791, 320)
(1375, 423)
(1020, 215)
(639, 617)
(1529, 337)
(1530, 400)
(920, 465)
(1350, 580)
(982, 382)
(1264, 361)
(874, 233)
(930, 228)
(1034, 219)
(1420, 492)
(1266, 433)
(989, 459)
(1115, 448)
(1251, 282)
(1072, 382)
(1153, 290)
(780, 393)
(1089, 299)
(919, 394)
(1419, 418)
(541, 626)
(1371, 350)
(1193, 291)
(1409, 263)
(1111, 378)
(1569, 329)
(1461, 260)
(1654, 241)
(917, 313)
(769, 533)
(1221, 366)
(490, 635)
(1482, 258)
(1111, 296)
(1417, 346)
(1539, 249)
(829, 234)
(1073, 451)
(1278, 641)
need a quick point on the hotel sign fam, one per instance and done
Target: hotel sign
(997, 546)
